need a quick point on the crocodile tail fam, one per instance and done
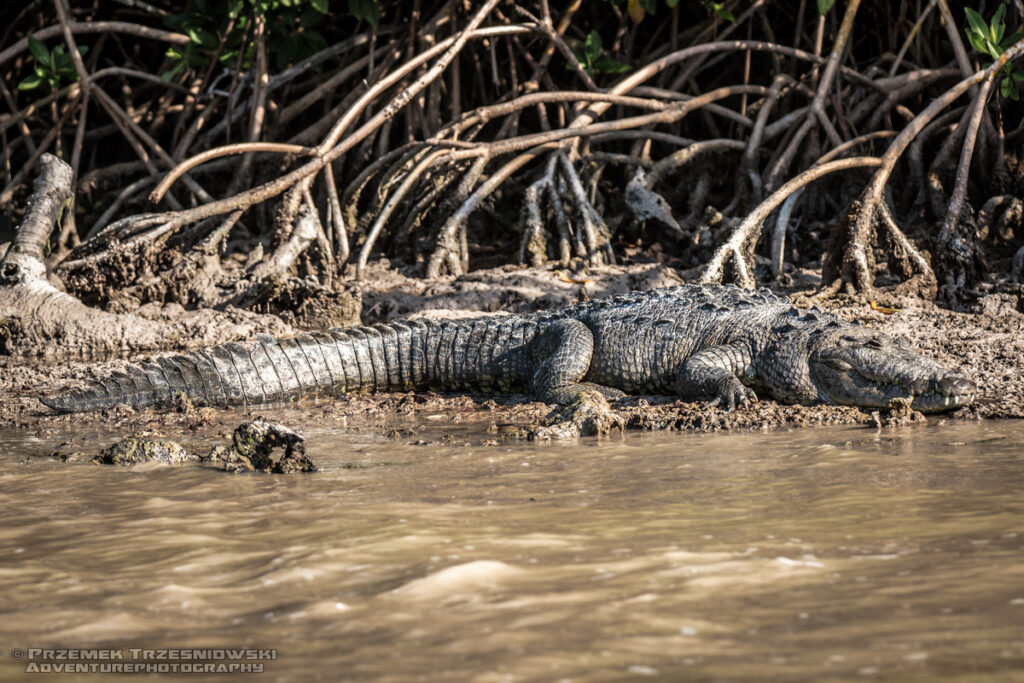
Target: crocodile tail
(267, 370)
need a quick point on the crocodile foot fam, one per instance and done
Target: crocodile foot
(730, 394)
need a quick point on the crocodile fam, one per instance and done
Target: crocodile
(714, 341)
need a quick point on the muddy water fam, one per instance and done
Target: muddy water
(825, 554)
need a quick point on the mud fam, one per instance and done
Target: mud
(256, 446)
(252, 450)
(989, 342)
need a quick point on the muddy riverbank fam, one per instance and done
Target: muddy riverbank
(989, 342)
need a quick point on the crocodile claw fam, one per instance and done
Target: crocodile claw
(731, 395)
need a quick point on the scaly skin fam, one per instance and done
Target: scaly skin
(713, 341)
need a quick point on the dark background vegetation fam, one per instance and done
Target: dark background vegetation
(225, 72)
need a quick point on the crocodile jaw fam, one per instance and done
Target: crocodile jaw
(870, 370)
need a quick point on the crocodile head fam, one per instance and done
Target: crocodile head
(858, 366)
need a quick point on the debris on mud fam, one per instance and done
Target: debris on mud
(588, 415)
(194, 417)
(697, 417)
(143, 447)
(900, 415)
(252, 448)
(68, 452)
(305, 304)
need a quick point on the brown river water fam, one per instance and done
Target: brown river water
(815, 555)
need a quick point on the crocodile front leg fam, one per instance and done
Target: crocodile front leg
(562, 353)
(715, 372)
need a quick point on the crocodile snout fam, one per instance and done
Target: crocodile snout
(956, 385)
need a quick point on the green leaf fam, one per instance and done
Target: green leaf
(38, 50)
(611, 66)
(64, 66)
(365, 9)
(1008, 89)
(979, 40)
(592, 46)
(1011, 40)
(993, 49)
(203, 38)
(997, 27)
(168, 75)
(635, 10)
(976, 21)
(580, 57)
(977, 30)
(824, 6)
(310, 17)
(723, 13)
(58, 57)
(976, 40)
(319, 5)
(31, 83)
(671, 3)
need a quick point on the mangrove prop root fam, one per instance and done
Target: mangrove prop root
(583, 156)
